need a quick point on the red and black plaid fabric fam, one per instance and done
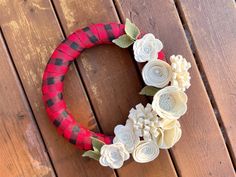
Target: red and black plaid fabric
(54, 74)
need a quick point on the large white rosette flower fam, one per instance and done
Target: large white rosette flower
(157, 73)
(170, 102)
(143, 119)
(113, 155)
(181, 77)
(145, 151)
(126, 135)
(169, 133)
(147, 48)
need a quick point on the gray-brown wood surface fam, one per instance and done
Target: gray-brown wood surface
(103, 84)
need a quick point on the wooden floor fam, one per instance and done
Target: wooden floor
(103, 85)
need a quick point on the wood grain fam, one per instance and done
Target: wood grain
(212, 25)
(32, 32)
(22, 151)
(201, 151)
(111, 78)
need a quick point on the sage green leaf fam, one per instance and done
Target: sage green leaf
(149, 91)
(92, 154)
(123, 41)
(131, 29)
(97, 144)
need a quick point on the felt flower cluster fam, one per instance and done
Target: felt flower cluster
(154, 126)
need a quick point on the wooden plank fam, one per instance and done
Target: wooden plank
(201, 151)
(110, 77)
(32, 32)
(212, 25)
(22, 151)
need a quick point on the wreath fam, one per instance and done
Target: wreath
(148, 128)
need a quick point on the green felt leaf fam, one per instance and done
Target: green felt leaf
(131, 29)
(149, 91)
(92, 154)
(97, 144)
(123, 41)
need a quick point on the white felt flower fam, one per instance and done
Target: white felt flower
(143, 119)
(113, 155)
(181, 77)
(157, 73)
(126, 136)
(145, 151)
(169, 133)
(170, 102)
(147, 48)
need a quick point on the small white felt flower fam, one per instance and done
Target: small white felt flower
(145, 151)
(126, 136)
(181, 77)
(169, 133)
(157, 73)
(147, 48)
(170, 102)
(143, 120)
(113, 155)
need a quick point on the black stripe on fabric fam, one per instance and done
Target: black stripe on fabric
(57, 123)
(49, 102)
(50, 80)
(90, 35)
(75, 131)
(64, 114)
(93, 39)
(62, 78)
(58, 62)
(74, 46)
(60, 95)
(86, 29)
(72, 141)
(108, 29)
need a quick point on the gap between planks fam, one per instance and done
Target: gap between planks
(204, 79)
(78, 73)
(28, 106)
(122, 19)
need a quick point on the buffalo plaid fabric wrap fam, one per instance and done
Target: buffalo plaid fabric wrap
(54, 74)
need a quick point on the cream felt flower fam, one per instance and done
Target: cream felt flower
(157, 73)
(143, 119)
(126, 136)
(169, 133)
(147, 48)
(113, 155)
(145, 151)
(181, 77)
(170, 102)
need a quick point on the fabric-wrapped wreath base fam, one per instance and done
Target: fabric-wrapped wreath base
(148, 128)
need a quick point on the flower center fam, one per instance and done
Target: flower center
(167, 102)
(147, 48)
(115, 155)
(147, 150)
(158, 74)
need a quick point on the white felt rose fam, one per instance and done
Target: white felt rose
(113, 155)
(169, 133)
(147, 48)
(170, 102)
(126, 136)
(157, 73)
(145, 151)
(181, 77)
